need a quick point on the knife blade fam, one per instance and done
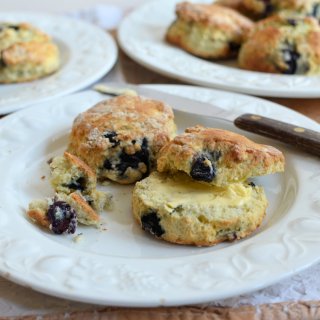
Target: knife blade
(185, 104)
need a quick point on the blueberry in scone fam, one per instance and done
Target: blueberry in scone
(218, 157)
(26, 53)
(70, 174)
(62, 213)
(283, 45)
(180, 210)
(121, 137)
(207, 30)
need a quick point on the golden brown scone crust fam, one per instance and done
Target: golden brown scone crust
(283, 45)
(119, 138)
(261, 9)
(208, 30)
(180, 210)
(218, 157)
(26, 53)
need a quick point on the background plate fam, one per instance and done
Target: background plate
(124, 266)
(87, 54)
(141, 36)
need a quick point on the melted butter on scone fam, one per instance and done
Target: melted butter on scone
(183, 190)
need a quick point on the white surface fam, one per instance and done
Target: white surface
(124, 266)
(141, 36)
(78, 42)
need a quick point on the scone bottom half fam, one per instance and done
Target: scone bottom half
(180, 210)
(218, 157)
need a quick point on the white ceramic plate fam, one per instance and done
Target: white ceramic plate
(87, 54)
(141, 36)
(124, 266)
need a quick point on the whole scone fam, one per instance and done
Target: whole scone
(283, 45)
(208, 31)
(259, 9)
(262, 9)
(180, 210)
(218, 157)
(120, 138)
(26, 53)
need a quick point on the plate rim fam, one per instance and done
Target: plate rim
(262, 91)
(137, 302)
(109, 43)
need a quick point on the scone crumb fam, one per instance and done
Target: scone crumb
(78, 238)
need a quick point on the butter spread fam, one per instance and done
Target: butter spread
(181, 190)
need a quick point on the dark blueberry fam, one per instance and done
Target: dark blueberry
(292, 22)
(111, 135)
(62, 217)
(234, 46)
(251, 184)
(315, 11)
(203, 167)
(107, 164)
(268, 7)
(14, 27)
(79, 184)
(133, 160)
(290, 57)
(151, 223)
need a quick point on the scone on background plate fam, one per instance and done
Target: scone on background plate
(283, 45)
(218, 157)
(208, 31)
(120, 138)
(180, 210)
(26, 53)
(260, 9)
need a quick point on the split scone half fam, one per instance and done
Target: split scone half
(208, 31)
(218, 157)
(70, 174)
(180, 210)
(120, 138)
(26, 53)
(62, 213)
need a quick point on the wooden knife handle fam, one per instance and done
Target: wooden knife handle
(305, 139)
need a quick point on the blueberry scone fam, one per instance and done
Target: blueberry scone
(121, 137)
(264, 8)
(62, 213)
(70, 174)
(208, 31)
(218, 157)
(26, 53)
(283, 45)
(180, 210)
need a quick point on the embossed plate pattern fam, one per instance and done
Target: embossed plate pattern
(87, 54)
(122, 265)
(141, 36)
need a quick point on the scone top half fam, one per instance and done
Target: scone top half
(121, 137)
(207, 30)
(283, 44)
(218, 157)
